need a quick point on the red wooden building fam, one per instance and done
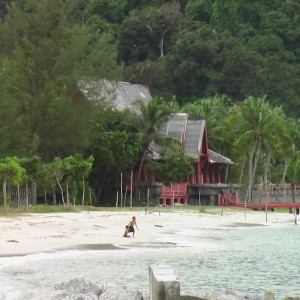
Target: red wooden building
(208, 185)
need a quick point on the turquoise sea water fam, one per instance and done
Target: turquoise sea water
(248, 260)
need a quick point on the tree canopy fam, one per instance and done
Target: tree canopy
(233, 62)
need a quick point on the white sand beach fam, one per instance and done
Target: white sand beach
(33, 232)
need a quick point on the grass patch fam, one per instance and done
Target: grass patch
(42, 208)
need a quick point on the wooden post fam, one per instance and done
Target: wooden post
(18, 201)
(267, 200)
(173, 199)
(90, 197)
(222, 203)
(125, 196)
(131, 181)
(148, 198)
(117, 199)
(121, 192)
(27, 194)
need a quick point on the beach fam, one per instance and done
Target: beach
(42, 232)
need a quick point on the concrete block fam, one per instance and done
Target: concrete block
(164, 284)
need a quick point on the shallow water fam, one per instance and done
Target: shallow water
(248, 260)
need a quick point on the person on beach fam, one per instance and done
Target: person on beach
(130, 227)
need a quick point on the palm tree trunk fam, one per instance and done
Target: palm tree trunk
(141, 167)
(293, 187)
(286, 166)
(250, 172)
(139, 176)
(255, 161)
(242, 170)
(266, 172)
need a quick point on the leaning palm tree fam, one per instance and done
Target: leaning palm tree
(147, 120)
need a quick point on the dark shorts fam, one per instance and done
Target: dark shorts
(130, 228)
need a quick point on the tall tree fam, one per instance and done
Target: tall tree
(255, 124)
(114, 147)
(47, 53)
(224, 15)
(147, 120)
(11, 172)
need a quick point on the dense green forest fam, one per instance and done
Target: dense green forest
(234, 62)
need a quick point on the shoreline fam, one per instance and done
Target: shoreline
(33, 233)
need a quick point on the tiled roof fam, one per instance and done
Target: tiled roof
(193, 138)
(190, 134)
(215, 157)
(120, 95)
(175, 127)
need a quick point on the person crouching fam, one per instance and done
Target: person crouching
(130, 227)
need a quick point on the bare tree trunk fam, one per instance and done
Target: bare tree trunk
(74, 193)
(68, 199)
(18, 197)
(83, 191)
(54, 196)
(121, 189)
(131, 179)
(161, 42)
(90, 197)
(4, 193)
(26, 194)
(62, 191)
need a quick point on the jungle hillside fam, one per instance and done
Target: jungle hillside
(235, 63)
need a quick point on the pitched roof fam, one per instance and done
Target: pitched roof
(120, 95)
(214, 157)
(190, 134)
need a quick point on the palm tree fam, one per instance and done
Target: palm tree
(256, 127)
(273, 141)
(293, 174)
(214, 110)
(289, 144)
(147, 120)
